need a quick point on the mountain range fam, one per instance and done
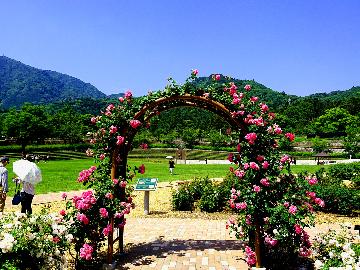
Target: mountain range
(20, 83)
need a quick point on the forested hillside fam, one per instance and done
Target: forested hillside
(20, 83)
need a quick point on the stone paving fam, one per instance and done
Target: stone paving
(171, 243)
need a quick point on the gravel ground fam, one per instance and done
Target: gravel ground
(160, 207)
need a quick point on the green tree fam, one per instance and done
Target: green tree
(27, 125)
(333, 122)
(190, 136)
(352, 139)
(69, 125)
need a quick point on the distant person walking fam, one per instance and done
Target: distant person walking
(4, 188)
(171, 166)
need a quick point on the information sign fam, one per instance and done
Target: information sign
(146, 184)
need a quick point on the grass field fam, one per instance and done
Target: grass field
(61, 175)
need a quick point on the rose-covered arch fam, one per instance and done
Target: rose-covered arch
(271, 204)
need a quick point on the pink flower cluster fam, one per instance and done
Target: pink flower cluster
(270, 240)
(103, 213)
(305, 249)
(231, 221)
(107, 230)
(120, 140)
(241, 206)
(135, 123)
(144, 146)
(85, 174)
(290, 136)
(312, 181)
(265, 182)
(113, 129)
(239, 173)
(86, 252)
(128, 95)
(82, 218)
(292, 209)
(251, 137)
(85, 202)
(141, 169)
(250, 256)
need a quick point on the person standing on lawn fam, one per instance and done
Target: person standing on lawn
(4, 187)
(171, 165)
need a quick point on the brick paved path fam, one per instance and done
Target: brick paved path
(168, 243)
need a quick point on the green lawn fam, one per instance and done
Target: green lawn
(61, 175)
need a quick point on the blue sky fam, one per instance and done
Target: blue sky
(299, 47)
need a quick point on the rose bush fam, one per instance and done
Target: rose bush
(274, 206)
(37, 242)
(336, 249)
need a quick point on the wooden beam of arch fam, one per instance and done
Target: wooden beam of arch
(163, 104)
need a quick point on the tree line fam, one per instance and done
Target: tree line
(320, 115)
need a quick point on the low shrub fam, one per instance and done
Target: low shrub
(209, 196)
(345, 171)
(338, 198)
(210, 200)
(182, 199)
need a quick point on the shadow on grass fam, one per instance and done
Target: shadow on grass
(142, 254)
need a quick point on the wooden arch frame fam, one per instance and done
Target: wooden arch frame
(146, 113)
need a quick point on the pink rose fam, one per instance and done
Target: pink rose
(107, 230)
(135, 123)
(251, 137)
(113, 129)
(115, 181)
(86, 252)
(195, 72)
(256, 188)
(128, 94)
(247, 87)
(109, 196)
(298, 229)
(264, 107)
(265, 165)
(120, 140)
(121, 99)
(254, 166)
(102, 157)
(82, 218)
(93, 120)
(217, 77)
(290, 136)
(265, 182)
(103, 212)
(312, 181)
(292, 209)
(62, 212)
(254, 99)
(110, 107)
(239, 173)
(319, 202)
(141, 169)
(286, 204)
(123, 184)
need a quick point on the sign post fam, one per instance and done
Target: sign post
(147, 185)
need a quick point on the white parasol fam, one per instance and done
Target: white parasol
(27, 171)
(169, 157)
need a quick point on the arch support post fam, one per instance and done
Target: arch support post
(257, 244)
